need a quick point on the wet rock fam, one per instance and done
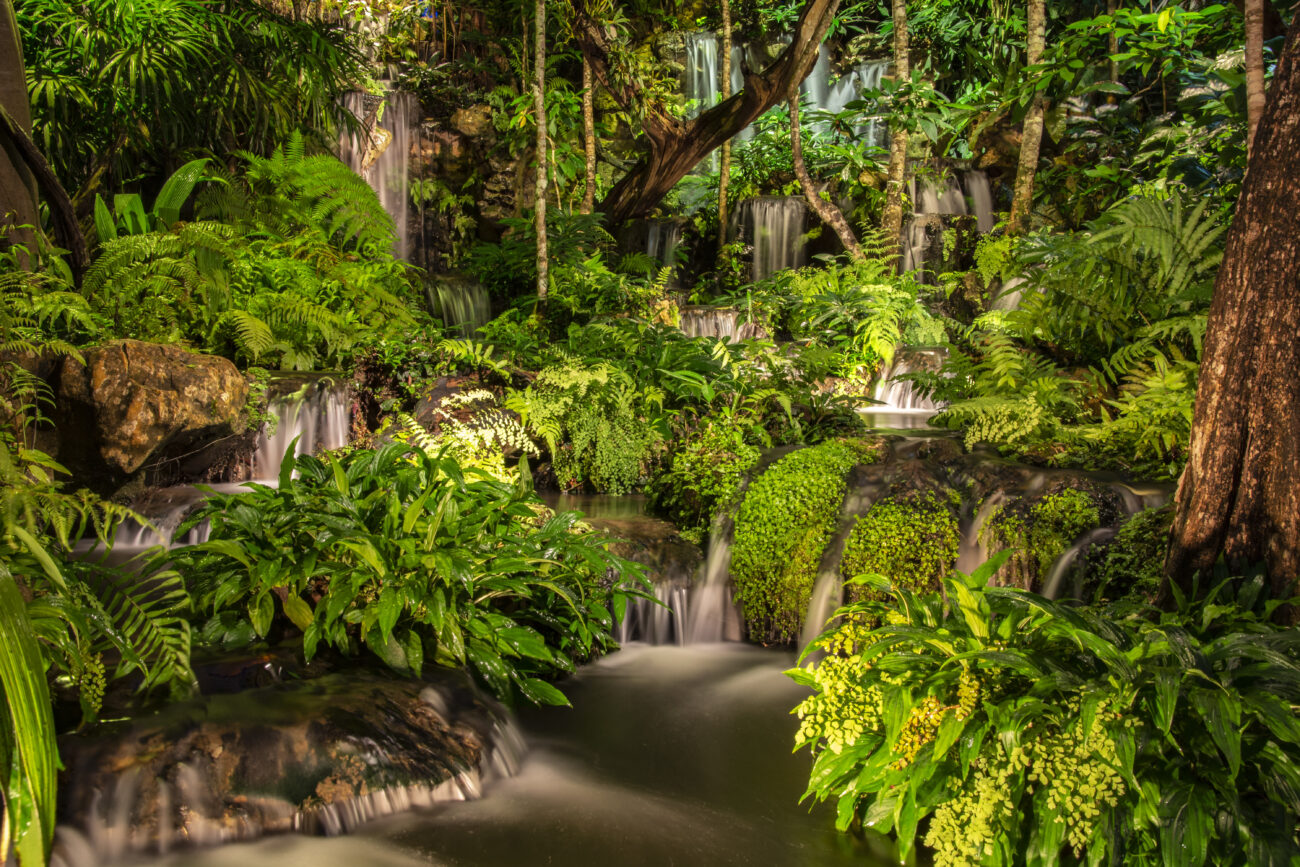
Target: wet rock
(474, 121)
(134, 406)
(286, 757)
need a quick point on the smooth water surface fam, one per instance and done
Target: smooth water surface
(670, 756)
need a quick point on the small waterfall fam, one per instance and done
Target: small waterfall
(701, 84)
(661, 622)
(1064, 564)
(901, 394)
(981, 199)
(775, 226)
(713, 615)
(724, 323)
(828, 589)
(1008, 298)
(461, 304)
(382, 155)
(930, 197)
(662, 239)
(317, 414)
(834, 98)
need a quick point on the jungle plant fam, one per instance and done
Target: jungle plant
(1132, 565)
(415, 559)
(914, 538)
(473, 430)
(1038, 533)
(703, 475)
(999, 727)
(784, 523)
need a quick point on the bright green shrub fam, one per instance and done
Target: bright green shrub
(703, 476)
(1002, 728)
(782, 528)
(915, 540)
(404, 554)
(1039, 534)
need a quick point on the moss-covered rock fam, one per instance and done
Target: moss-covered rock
(912, 540)
(1039, 530)
(787, 518)
(1133, 563)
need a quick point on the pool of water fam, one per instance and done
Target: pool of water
(669, 756)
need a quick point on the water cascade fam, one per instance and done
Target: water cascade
(317, 415)
(981, 199)
(701, 84)
(775, 226)
(662, 239)
(461, 303)
(382, 153)
(1064, 564)
(713, 615)
(721, 322)
(901, 395)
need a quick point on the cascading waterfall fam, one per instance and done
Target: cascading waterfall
(662, 238)
(316, 415)
(713, 615)
(382, 154)
(462, 304)
(981, 199)
(898, 394)
(701, 84)
(775, 226)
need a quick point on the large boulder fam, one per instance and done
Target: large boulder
(136, 406)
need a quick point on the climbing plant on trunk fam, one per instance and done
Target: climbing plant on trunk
(891, 222)
(1240, 494)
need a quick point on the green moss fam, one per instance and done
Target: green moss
(913, 542)
(1133, 564)
(1039, 534)
(783, 526)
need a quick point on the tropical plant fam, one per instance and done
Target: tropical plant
(415, 559)
(1000, 728)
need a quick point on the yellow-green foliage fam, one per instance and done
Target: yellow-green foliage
(782, 529)
(1040, 534)
(912, 542)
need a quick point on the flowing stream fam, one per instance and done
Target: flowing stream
(669, 756)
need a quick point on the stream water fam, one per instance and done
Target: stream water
(669, 756)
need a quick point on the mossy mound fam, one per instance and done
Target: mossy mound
(1133, 563)
(1041, 529)
(783, 526)
(912, 540)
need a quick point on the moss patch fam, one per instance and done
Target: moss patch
(787, 518)
(1133, 563)
(1039, 532)
(913, 541)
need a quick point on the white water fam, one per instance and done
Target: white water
(981, 199)
(1061, 569)
(317, 415)
(462, 304)
(662, 239)
(713, 614)
(901, 394)
(383, 156)
(775, 226)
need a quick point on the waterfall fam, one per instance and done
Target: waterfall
(1064, 564)
(981, 199)
(661, 240)
(713, 615)
(461, 304)
(663, 621)
(834, 98)
(317, 414)
(775, 227)
(901, 394)
(701, 84)
(720, 322)
(382, 154)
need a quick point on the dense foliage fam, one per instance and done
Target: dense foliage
(999, 728)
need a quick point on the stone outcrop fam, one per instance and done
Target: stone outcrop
(136, 406)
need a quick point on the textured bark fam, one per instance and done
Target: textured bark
(677, 145)
(1112, 48)
(1274, 26)
(1240, 493)
(1254, 15)
(891, 220)
(826, 211)
(724, 167)
(1031, 137)
(67, 231)
(17, 184)
(589, 136)
(539, 108)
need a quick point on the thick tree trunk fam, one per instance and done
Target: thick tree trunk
(1254, 15)
(17, 184)
(677, 145)
(891, 219)
(829, 213)
(1031, 137)
(724, 167)
(589, 136)
(1240, 493)
(539, 108)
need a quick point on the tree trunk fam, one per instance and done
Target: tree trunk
(891, 220)
(677, 145)
(724, 166)
(1254, 14)
(539, 108)
(1240, 493)
(829, 213)
(17, 184)
(1112, 49)
(1031, 137)
(589, 136)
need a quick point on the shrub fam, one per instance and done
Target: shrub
(916, 540)
(1039, 533)
(784, 523)
(703, 476)
(407, 555)
(1003, 728)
